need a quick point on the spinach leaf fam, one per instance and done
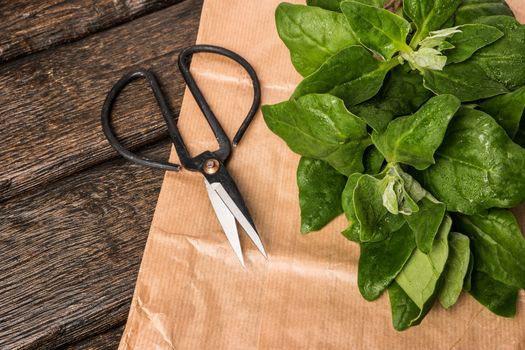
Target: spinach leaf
(334, 5)
(419, 278)
(312, 35)
(352, 233)
(402, 94)
(472, 10)
(498, 297)
(428, 15)
(373, 160)
(467, 283)
(499, 246)
(426, 58)
(426, 222)
(504, 60)
(347, 200)
(455, 269)
(353, 75)
(405, 313)
(471, 38)
(467, 81)
(402, 192)
(380, 262)
(413, 139)
(347, 197)
(375, 3)
(410, 185)
(520, 135)
(375, 221)
(320, 188)
(437, 39)
(320, 127)
(396, 199)
(378, 29)
(477, 166)
(507, 109)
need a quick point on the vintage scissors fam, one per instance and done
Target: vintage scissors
(224, 196)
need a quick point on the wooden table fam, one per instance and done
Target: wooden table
(74, 217)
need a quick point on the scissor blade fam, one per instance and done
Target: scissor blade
(227, 221)
(246, 222)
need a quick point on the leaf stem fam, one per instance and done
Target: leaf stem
(415, 40)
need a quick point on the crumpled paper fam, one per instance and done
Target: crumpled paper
(192, 293)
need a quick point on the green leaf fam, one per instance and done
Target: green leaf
(429, 15)
(347, 197)
(425, 223)
(413, 139)
(320, 127)
(405, 313)
(410, 185)
(425, 58)
(375, 3)
(467, 283)
(378, 29)
(495, 296)
(437, 39)
(375, 221)
(504, 60)
(455, 269)
(401, 192)
(373, 160)
(467, 81)
(472, 10)
(352, 233)
(419, 278)
(477, 166)
(380, 262)
(347, 200)
(312, 35)
(471, 38)
(429, 53)
(499, 246)
(320, 188)
(333, 5)
(520, 135)
(507, 109)
(353, 75)
(402, 94)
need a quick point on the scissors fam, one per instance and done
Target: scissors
(224, 196)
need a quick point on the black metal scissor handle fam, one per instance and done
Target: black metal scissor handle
(188, 162)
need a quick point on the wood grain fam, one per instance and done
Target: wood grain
(71, 252)
(50, 102)
(109, 340)
(29, 26)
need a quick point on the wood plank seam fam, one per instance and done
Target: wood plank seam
(30, 26)
(71, 253)
(50, 102)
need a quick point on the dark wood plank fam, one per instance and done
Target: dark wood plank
(50, 102)
(71, 252)
(108, 340)
(29, 26)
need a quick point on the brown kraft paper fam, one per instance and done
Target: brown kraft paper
(191, 291)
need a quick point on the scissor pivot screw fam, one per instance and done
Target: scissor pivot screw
(211, 166)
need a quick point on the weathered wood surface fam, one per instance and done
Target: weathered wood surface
(50, 102)
(29, 26)
(71, 252)
(108, 340)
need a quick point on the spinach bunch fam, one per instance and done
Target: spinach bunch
(410, 121)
